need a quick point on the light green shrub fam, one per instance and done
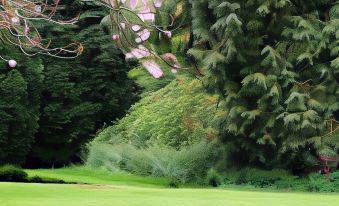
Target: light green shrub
(178, 115)
(187, 164)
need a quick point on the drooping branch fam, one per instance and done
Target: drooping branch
(17, 18)
(134, 23)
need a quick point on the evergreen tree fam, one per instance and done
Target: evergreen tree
(80, 95)
(275, 65)
(20, 90)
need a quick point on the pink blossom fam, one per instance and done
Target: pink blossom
(147, 15)
(153, 68)
(138, 53)
(129, 56)
(168, 34)
(157, 3)
(115, 37)
(26, 29)
(133, 4)
(145, 2)
(136, 27)
(12, 63)
(143, 36)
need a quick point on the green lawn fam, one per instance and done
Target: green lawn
(14, 194)
(98, 176)
(128, 190)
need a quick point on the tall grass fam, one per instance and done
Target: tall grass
(186, 164)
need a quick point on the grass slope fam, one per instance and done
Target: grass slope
(17, 194)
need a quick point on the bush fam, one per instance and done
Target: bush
(259, 178)
(213, 178)
(38, 179)
(323, 183)
(186, 164)
(242, 178)
(174, 183)
(10, 173)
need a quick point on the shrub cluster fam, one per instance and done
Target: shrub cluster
(11, 173)
(275, 179)
(323, 183)
(187, 164)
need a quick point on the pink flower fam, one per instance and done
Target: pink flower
(143, 36)
(116, 37)
(138, 53)
(168, 34)
(26, 29)
(136, 27)
(153, 68)
(12, 63)
(157, 3)
(133, 4)
(147, 15)
(129, 56)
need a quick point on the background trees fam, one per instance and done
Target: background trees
(20, 91)
(82, 94)
(51, 107)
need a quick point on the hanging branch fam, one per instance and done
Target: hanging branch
(17, 19)
(133, 24)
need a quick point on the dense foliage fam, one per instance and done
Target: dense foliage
(275, 65)
(55, 104)
(80, 95)
(10, 173)
(20, 91)
(168, 133)
(177, 115)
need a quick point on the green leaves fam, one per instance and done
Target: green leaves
(257, 78)
(276, 65)
(212, 59)
(335, 63)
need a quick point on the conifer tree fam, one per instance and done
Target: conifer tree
(80, 95)
(20, 90)
(275, 64)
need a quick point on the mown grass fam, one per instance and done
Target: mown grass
(121, 189)
(99, 176)
(18, 194)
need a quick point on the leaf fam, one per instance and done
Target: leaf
(196, 53)
(213, 59)
(292, 119)
(251, 115)
(305, 56)
(233, 7)
(335, 63)
(257, 78)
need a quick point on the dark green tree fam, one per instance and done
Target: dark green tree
(82, 94)
(275, 64)
(20, 90)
